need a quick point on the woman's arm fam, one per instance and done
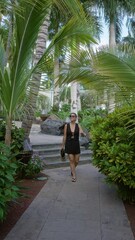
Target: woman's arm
(64, 136)
(81, 132)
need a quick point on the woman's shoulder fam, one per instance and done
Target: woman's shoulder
(66, 125)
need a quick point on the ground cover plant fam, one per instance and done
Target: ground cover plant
(113, 144)
(8, 190)
(13, 166)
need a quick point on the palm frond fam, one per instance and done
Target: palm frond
(102, 71)
(27, 28)
(67, 37)
(2, 55)
(115, 69)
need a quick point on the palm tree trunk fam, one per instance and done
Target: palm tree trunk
(8, 131)
(74, 97)
(56, 86)
(9, 118)
(36, 79)
(78, 98)
(112, 35)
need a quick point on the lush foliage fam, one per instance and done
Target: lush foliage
(113, 150)
(88, 116)
(63, 113)
(2, 130)
(34, 166)
(31, 169)
(8, 190)
(17, 136)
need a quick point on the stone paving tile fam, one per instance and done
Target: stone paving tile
(86, 210)
(117, 234)
(27, 229)
(88, 235)
(71, 230)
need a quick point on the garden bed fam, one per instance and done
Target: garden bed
(130, 209)
(31, 188)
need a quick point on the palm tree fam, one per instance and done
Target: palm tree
(58, 20)
(27, 123)
(14, 78)
(130, 39)
(36, 78)
(113, 12)
(104, 71)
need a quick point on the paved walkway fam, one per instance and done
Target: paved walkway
(88, 209)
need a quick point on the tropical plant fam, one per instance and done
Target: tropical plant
(8, 190)
(113, 150)
(14, 78)
(88, 116)
(30, 169)
(104, 71)
(128, 42)
(17, 135)
(34, 166)
(113, 12)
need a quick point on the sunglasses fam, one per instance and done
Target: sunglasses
(72, 116)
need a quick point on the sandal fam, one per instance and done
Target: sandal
(73, 179)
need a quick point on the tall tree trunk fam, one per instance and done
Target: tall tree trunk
(36, 79)
(56, 86)
(8, 130)
(9, 118)
(78, 98)
(112, 35)
(74, 97)
(75, 91)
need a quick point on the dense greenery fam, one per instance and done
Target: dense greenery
(8, 190)
(88, 116)
(34, 166)
(113, 143)
(17, 137)
(30, 169)
(12, 167)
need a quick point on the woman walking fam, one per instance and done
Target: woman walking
(71, 143)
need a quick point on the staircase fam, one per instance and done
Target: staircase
(50, 154)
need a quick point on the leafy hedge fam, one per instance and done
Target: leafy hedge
(17, 135)
(113, 144)
(8, 190)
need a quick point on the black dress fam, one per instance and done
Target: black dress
(72, 145)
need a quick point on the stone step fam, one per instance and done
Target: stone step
(50, 154)
(55, 152)
(64, 163)
(49, 146)
(46, 146)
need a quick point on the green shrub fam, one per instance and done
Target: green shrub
(88, 116)
(8, 190)
(17, 135)
(63, 113)
(2, 130)
(31, 169)
(113, 144)
(34, 166)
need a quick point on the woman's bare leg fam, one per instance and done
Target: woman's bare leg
(72, 164)
(77, 157)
